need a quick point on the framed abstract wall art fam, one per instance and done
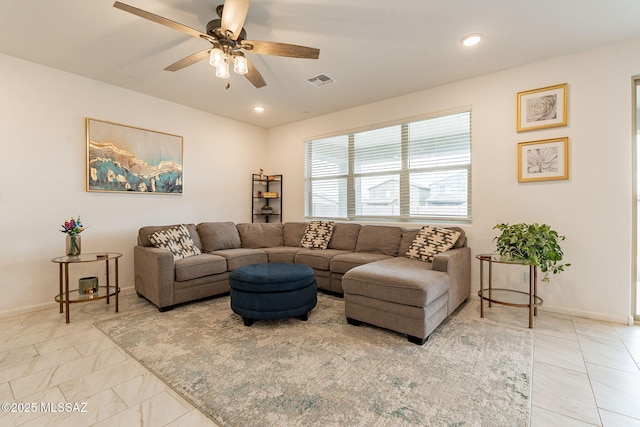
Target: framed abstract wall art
(542, 108)
(123, 158)
(544, 160)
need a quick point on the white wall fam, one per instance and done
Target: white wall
(593, 208)
(42, 178)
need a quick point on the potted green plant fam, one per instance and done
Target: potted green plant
(266, 209)
(535, 244)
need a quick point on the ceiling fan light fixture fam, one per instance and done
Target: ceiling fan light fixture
(240, 65)
(222, 71)
(216, 56)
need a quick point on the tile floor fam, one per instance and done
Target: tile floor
(585, 373)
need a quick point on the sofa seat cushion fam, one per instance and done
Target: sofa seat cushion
(199, 266)
(282, 253)
(318, 259)
(345, 262)
(240, 257)
(399, 280)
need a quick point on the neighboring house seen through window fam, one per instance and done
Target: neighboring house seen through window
(416, 170)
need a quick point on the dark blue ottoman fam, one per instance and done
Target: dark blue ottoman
(273, 291)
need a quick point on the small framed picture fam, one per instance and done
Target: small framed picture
(544, 160)
(542, 108)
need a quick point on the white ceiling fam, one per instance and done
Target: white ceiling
(373, 49)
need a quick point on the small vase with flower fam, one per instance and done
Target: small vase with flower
(72, 229)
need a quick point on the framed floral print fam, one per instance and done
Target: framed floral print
(543, 160)
(542, 108)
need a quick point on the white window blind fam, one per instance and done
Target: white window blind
(416, 170)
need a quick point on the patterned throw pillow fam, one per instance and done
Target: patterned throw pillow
(431, 241)
(317, 235)
(176, 239)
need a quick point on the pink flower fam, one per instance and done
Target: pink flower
(72, 227)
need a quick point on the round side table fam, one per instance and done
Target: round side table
(509, 297)
(66, 297)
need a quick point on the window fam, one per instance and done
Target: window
(409, 171)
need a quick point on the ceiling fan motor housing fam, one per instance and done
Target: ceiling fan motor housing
(214, 29)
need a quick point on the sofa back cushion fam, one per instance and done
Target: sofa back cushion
(345, 236)
(145, 232)
(293, 232)
(216, 236)
(462, 239)
(379, 239)
(262, 235)
(408, 236)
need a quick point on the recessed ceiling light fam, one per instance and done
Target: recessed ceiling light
(471, 40)
(258, 109)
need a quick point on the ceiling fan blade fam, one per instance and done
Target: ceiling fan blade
(159, 19)
(280, 49)
(254, 76)
(189, 60)
(234, 13)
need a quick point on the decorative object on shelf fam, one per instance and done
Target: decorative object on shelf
(535, 244)
(261, 175)
(270, 195)
(259, 193)
(545, 160)
(542, 108)
(125, 158)
(267, 209)
(72, 229)
(88, 285)
(271, 178)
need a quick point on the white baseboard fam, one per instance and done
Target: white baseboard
(47, 305)
(585, 314)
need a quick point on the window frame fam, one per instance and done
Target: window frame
(404, 173)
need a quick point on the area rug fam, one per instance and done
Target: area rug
(324, 372)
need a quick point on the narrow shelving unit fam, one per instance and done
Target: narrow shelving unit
(266, 198)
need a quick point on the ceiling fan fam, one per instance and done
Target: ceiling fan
(228, 42)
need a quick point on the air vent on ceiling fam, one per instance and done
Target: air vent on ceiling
(320, 80)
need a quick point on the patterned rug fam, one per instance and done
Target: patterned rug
(324, 372)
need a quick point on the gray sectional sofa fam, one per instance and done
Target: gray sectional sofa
(364, 263)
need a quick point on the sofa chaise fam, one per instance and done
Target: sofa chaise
(367, 264)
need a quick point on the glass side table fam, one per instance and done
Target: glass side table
(509, 297)
(65, 297)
